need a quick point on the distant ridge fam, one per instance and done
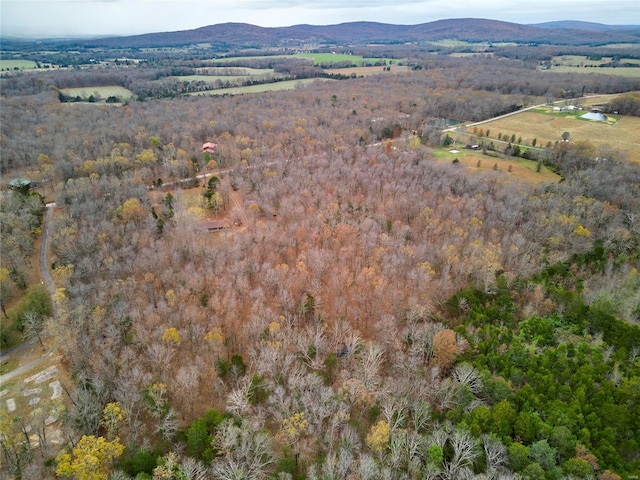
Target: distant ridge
(243, 35)
(578, 25)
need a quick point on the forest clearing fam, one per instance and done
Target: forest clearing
(515, 169)
(597, 65)
(98, 93)
(364, 71)
(264, 87)
(624, 134)
(6, 64)
(633, 72)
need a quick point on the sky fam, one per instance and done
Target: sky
(55, 18)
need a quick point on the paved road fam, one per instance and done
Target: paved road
(29, 345)
(26, 367)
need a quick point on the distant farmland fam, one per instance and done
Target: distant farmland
(625, 67)
(618, 71)
(264, 87)
(230, 74)
(514, 168)
(98, 93)
(235, 71)
(624, 134)
(366, 71)
(319, 59)
(330, 58)
(17, 65)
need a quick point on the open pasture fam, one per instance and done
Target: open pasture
(17, 65)
(578, 61)
(453, 43)
(586, 70)
(366, 71)
(586, 65)
(521, 169)
(235, 71)
(264, 87)
(242, 59)
(622, 135)
(215, 78)
(98, 92)
(329, 58)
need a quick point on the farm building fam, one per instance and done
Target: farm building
(209, 147)
(22, 184)
(214, 226)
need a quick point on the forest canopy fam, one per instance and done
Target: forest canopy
(322, 295)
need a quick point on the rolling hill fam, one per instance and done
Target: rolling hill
(468, 29)
(591, 26)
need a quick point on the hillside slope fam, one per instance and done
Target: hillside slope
(468, 29)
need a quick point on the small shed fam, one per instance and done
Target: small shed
(214, 226)
(209, 147)
(23, 184)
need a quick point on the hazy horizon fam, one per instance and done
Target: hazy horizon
(79, 18)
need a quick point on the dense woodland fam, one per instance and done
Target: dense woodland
(380, 314)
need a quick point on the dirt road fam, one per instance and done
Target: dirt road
(29, 346)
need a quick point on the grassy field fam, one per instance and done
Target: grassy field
(618, 71)
(475, 46)
(98, 92)
(513, 168)
(578, 61)
(623, 134)
(366, 71)
(265, 87)
(246, 71)
(17, 64)
(583, 60)
(582, 64)
(241, 59)
(327, 58)
(214, 78)
(317, 58)
(574, 115)
(451, 43)
(620, 45)
(466, 54)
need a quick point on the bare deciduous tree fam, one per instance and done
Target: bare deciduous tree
(242, 452)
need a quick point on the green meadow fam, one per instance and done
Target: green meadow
(329, 58)
(17, 64)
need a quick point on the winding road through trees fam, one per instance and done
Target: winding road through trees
(47, 280)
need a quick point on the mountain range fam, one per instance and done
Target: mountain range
(467, 29)
(242, 35)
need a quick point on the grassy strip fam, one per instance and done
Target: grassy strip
(17, 64)
(617, 71)
(265, 87)
(103, 92)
